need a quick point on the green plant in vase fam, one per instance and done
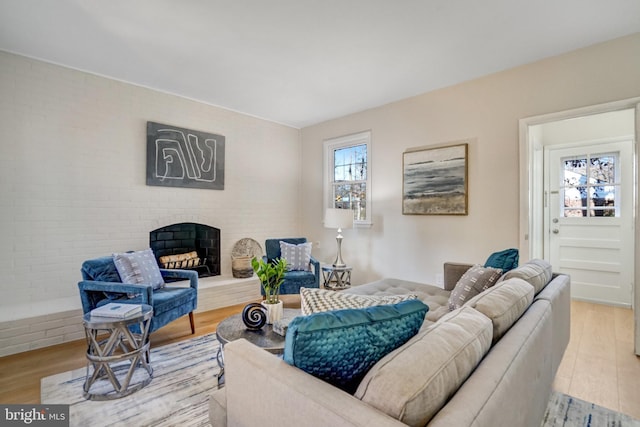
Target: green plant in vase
(271, 276)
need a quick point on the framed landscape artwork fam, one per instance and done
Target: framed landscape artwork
(434, 181)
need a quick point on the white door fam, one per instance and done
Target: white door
(589, 219)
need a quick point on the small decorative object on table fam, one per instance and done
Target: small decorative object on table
(280, 326)
(271, 276)
(254, 316)
(115, 310)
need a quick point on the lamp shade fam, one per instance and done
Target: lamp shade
(338, 218)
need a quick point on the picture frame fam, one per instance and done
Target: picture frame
(180, 157)
(435, 180)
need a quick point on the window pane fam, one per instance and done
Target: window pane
(350, 163)
(589, 186)
(342, 196)
(352, 196)
(575, 172)
(602, 170)
(572, 213)
(575, 197)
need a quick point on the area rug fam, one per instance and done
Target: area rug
(564, 410)
(184, 374)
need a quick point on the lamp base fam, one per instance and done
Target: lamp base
(339, 263)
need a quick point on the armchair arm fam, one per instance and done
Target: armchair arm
(87, 287)
(316, 269)
(181, 274)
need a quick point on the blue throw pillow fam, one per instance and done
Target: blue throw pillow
(505, 260)
(340, 346)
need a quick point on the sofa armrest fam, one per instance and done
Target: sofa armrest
(453, 271)
(262, 381)
(191, 275)
(88, 286)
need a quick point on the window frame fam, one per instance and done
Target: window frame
(590, 187)
(332, 144)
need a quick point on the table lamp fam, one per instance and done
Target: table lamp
(338, 218)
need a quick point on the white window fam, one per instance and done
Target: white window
(591, 185)
(347, 175)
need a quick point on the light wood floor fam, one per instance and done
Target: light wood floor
(599, 365)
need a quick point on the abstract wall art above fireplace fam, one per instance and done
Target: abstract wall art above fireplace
(179, 157)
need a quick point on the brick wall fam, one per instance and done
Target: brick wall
(35, 332)
(72, 182)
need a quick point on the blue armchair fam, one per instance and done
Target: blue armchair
(293, 280)
(102, 285)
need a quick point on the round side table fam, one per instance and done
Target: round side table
(233, 328)
(114, 354)
(336, 278)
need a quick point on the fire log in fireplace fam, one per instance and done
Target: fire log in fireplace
(187, 245)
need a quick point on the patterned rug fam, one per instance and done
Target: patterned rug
(184, 374)
(564, 410)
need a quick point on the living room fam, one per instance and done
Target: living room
(73, 173)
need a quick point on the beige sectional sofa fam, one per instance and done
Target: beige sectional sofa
(489, 363)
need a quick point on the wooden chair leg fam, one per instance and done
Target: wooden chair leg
(193, 324)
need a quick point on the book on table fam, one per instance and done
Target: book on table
(116, 310)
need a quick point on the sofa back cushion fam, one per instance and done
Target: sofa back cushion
(313, 300)
(413, 382)
(504, 303)
(536, 272)
(341, 346)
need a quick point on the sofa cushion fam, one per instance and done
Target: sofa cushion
(504, 260)
(298, 256)
(319, 300)
(472, 282)
(139, 267)
(341, 346)
(413, 382)
(537, 272)
(435, 297)
(503, 303)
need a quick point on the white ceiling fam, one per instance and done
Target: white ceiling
(300, 62)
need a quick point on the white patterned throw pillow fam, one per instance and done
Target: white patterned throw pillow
(298, 256)
(318, 300)
(139, 267)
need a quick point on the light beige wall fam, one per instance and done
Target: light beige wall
(72, 179)
(612, 125)
(485, 110)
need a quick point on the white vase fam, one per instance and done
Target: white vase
(274, 311)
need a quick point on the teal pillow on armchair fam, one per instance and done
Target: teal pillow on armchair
(340, 346)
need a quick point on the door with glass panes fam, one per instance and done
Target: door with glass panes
(589, 222)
